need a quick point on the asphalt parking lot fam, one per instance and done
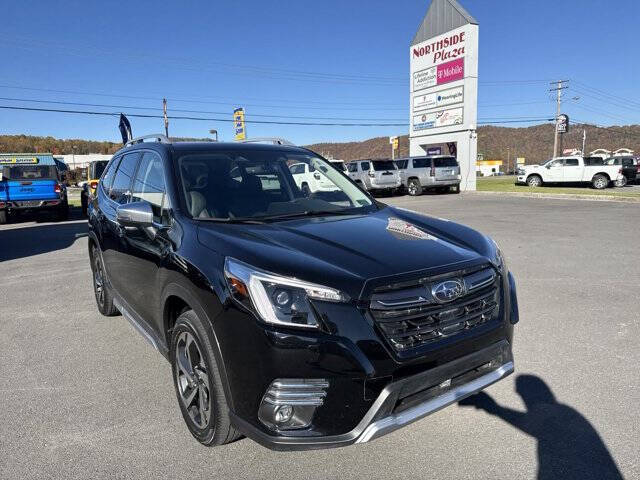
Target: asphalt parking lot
(84, 396)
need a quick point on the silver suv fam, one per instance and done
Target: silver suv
(375, 175)
(440, 172)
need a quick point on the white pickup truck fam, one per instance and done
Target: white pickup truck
(569, 170)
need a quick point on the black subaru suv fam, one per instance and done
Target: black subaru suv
(300, 321)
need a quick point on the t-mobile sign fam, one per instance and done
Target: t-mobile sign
(450, 71)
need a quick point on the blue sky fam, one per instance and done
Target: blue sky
(329, 59)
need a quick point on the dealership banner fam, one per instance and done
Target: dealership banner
(239, 126)
(18, 160)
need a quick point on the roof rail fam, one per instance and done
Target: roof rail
(158, 137)
(273, 140)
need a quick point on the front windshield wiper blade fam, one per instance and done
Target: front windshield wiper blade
(307, 213)
(231, 220)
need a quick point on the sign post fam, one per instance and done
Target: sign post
(394, 146)
(443, 87)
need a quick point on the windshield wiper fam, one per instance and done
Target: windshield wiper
(232, 220)
(307, 213)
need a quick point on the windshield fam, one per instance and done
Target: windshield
(30, 172)
(265, 184)
(382, 165)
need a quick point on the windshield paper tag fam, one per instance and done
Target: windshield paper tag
(407, 231)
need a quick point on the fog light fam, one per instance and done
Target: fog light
(291, 403)
(283, 413)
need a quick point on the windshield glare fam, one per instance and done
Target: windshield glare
(30, 172)
(258, 184)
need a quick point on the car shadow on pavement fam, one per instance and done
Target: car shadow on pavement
(569, 447)
(20, 242)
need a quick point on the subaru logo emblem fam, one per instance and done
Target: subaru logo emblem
(448, 291)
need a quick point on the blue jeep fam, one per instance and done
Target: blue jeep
(31, 182)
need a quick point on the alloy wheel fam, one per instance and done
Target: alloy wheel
(98, 277)
(193, 380)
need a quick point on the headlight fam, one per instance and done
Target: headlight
(498, 258)
(275, 299)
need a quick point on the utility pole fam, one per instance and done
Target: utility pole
(584, 141)
(166, 119)
(558, 88)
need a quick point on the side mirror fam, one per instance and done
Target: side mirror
(135, 214)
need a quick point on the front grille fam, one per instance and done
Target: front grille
(409, 317)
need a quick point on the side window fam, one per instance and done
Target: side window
(107, 176)
(297, 169)
(149, 184)
(556, 163)
(571, 162)
(122, 181)
(352, 167)
(365, 166)
(627, 162)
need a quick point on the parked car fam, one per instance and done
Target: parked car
(31, 182)
(630, 168)
(285, 318)
(311, 180)
(440, 173)
(339, 164)
(568, 170)
(375, 176)
(94, 172)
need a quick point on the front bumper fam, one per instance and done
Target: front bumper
(405, 401)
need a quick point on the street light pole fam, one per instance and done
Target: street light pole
(214, 132)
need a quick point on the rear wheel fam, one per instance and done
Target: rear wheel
(414, 188)
(456, 189)
(306, 191)
(3, 217)
(104, 299)
(198, 384)
(63, 212)
(600, 182)
(534, 181)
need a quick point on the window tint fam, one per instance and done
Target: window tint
(421, 163)
(352, 167)
(381, 166)
(149, 184)
(122, 181)
(445, 162)
(571, 162)
(401, 163)
(364, 166)
(627, 162)
(107, 177)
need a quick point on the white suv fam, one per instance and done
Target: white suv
(311, 180)
(375, 175)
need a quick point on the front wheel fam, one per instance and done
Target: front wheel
(600, 182)
(534, 181)
(198, 384)
(3, 217)
(104, 299)
(456, 189)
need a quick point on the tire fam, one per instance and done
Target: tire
(104, 298)
(3, 217)
(63, 212)
(456, 189)
(600, 182)
(534, 181)
(197, 382)
(306, 191)
(621, 182)
(414, 188)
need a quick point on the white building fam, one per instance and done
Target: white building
(81, 161)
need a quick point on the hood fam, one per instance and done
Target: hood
(349, 252)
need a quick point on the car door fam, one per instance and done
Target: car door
(553, 171)
(572, 171)
(119, 193)
(143, 251)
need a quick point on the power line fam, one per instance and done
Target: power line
(227, 120)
